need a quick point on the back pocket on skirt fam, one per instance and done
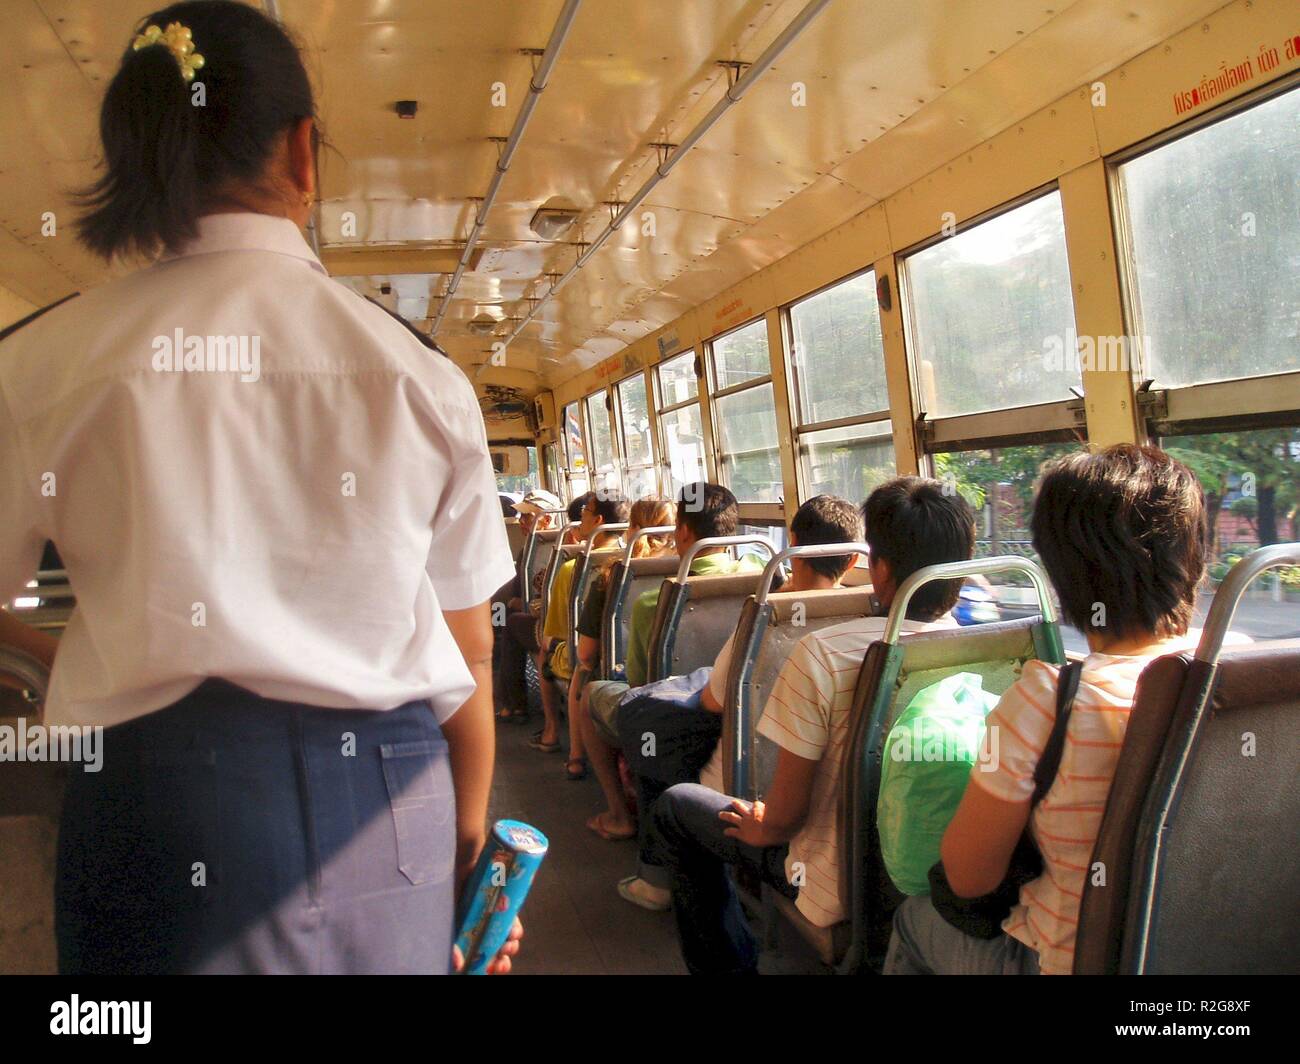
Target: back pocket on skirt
(418, 777)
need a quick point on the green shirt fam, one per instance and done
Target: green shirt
(643, 609)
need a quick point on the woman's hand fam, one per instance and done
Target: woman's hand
(500, 964)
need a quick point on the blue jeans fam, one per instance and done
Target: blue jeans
(924, 943)
(687, 838)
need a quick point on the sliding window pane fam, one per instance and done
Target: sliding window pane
(992, 317)
(849, 462)
(839, 356)
(741, 356)
(677, 380)
(1214, 224)
(603, 466)
(634, 409)
(748, 449)
(574, 453)
(683, 439)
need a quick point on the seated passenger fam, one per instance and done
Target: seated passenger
(791, 839)
(704, 511)
(687, 747)
(1121, 534)
(517, 636)
(606, 506)
(650, 512)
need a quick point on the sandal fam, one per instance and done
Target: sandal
(547, 748)
(575, 777)
(597, 824)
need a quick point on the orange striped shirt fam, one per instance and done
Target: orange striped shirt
(1065, 823)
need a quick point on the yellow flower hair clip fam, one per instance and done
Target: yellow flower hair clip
(178, 40)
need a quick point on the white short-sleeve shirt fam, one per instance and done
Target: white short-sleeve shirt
(294, 523)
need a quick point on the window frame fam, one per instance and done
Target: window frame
(660, 409)
(568, 471)
(750, 508)
(1232, 404)
(1056, 421)
(603, 395)
(625, 464)
(798, 427)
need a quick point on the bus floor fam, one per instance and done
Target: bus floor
(575, 923)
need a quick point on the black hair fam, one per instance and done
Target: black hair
(912, 522)
(423, 337)
(827, 519)
(611, 504)
(708, 510)
(578, 505)
(1122, 534)
(165, 157)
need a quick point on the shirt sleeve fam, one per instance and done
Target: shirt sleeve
(721, 671)
(469, 556)
(557, 607)
(638, 637)
(797, 716)
(21, 538)
(1016, 733)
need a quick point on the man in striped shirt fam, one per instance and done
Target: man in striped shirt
(790, 839)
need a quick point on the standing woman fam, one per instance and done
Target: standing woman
(279, 515)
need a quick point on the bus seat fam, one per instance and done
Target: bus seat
(1214, 877)
(536, 558)
(770, 627)
(693, 620)
(1163, 685)
(696, 613)
(514, 536)
(590, 567)
(893, 671)
(629, 579)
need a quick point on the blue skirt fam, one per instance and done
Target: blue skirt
(230, 833)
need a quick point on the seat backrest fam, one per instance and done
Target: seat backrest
(628, 581)
(1215, 877)
(765, 636)
(559, 555)
(890, 677)
(536, 558)
(515, 536)
(1163, 685)
(694, 618)
(592, 567)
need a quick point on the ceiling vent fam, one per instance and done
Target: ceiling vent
(553, 218)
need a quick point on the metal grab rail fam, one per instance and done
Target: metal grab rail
(557, 559)
(1228, 597)
(650, 530)
(33, 674)
(600, 531)
(960, 571)
(684, 569)
(813, 550)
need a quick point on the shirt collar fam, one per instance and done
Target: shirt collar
(249, 232)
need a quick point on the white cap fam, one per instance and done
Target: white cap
(537, 501)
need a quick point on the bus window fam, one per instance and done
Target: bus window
(604, 469)
(574, 452)
(837, 365)
(634, 429)
(681, 429)
(1213, 225)
(992, 319)
(1251, 482)
(744, 405)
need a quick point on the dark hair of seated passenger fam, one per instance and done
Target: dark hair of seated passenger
(578, 505)
(827, 519)
(166, 161)
(708, 510)
(611, 505)
(911, 522)
(1122, 535)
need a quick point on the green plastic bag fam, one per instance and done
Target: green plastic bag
(927, 763)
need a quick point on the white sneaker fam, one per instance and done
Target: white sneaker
(646, 895)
